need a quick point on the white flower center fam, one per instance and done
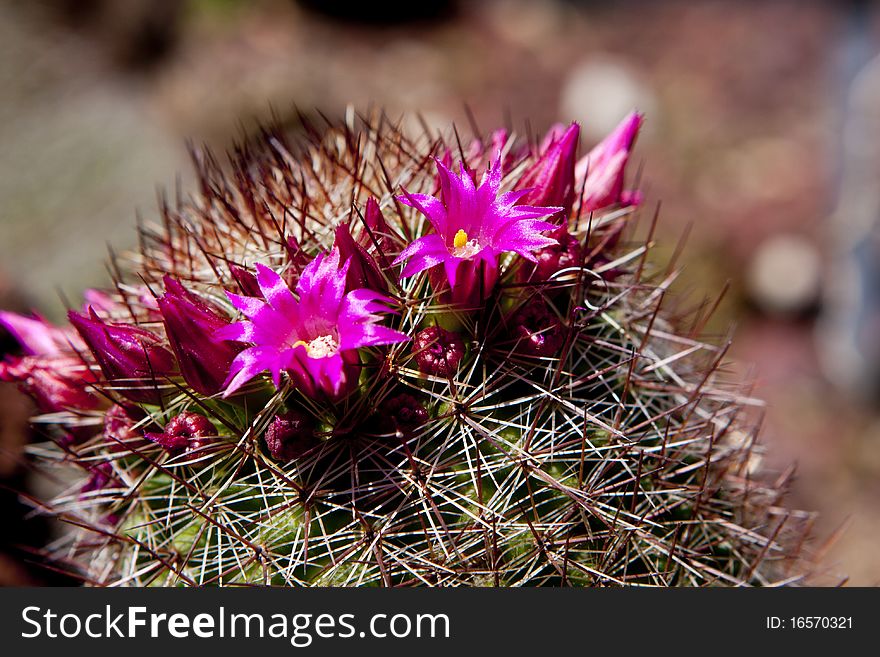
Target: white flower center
(320, 347)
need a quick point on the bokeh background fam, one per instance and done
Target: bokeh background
(762, 139)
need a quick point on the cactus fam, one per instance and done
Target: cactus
(374, 359)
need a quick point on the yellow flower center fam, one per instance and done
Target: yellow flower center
(460, 239)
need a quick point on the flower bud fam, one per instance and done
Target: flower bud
(55, 383)
(35, 335)
(126, 354)
(537, 329)
(119, 422)
(600, 172)
(437, 351)
(290, 435)
(185, 431)
(552, 176)
(246, 281)
(376, 232)
(401, 413)
(102, 476)
(191, 324)
(363, 272)
(567, 252)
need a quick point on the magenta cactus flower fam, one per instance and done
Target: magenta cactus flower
(600, 173)
(37, 336)
(191, 324)
(50, 371)
(537, 430)
(314, 336)
(473, 225)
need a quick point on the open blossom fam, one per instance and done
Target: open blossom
(313, 336)
(473, 225)
(600, 172)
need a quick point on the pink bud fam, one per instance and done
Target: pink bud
(376, 232)
(102, 476)
(552, 176)
(247, 282)
(191, 324)
(437, 351)
(567, 252)
(35, 334)
(185, 431)
(363, 272)
(401, 413)
(55, 383)
(127, 355)
(537, 329)
(600, 173)
(290, 435)
(119, 422)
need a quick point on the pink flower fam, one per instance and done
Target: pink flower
(600, 172)
(37, 336)
(50, 372)
(313, 336)
(473, 225)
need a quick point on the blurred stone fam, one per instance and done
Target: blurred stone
(784, 275)
(80, 154)
(849, 328)
(600, 91)
(389, 12)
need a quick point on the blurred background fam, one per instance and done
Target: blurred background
(762, 135)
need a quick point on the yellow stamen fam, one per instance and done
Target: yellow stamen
(301, 342)
(460, 239)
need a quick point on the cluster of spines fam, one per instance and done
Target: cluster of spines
(621, 460)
